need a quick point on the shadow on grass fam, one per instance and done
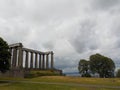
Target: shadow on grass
(3, 82)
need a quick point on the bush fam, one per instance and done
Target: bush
(30, 75)
(37, 73)
(86, 75)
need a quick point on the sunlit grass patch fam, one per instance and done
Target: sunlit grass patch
(96, 81)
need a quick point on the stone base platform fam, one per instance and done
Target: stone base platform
(20, 73)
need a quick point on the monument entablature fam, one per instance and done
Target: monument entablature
(26, 58)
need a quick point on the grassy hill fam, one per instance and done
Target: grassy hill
(60, 83)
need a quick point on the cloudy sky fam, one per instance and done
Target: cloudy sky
(73, 29)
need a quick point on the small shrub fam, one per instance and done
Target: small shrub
(30, 75)
(86, 75)
(37, 73)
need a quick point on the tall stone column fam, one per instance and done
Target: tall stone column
(10, 61)
(14, 62)
(26, 60)
(52, 60)
(47, 65)
(43, 62)
(20, 57)
(36, 60)
(31, 61)
(39, 61)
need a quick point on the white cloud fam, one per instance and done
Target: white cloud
(73, 29)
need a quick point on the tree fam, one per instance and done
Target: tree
(83, 68)
(118, 73)
(4, 56)
(102, 65)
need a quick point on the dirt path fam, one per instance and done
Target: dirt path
(66, 84)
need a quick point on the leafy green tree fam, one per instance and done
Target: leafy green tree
(118, 73)
(102, 65)
(4, 56)
(83, 68)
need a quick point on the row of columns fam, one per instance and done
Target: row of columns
(27, 58)
(39, 60)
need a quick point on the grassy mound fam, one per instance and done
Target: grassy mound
(37, 73)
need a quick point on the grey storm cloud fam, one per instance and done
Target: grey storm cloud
(85, 39)
(49, 45)
(73, 29)
(105, 4)
(61, 63)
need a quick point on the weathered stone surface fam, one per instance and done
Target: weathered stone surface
(24, 58)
